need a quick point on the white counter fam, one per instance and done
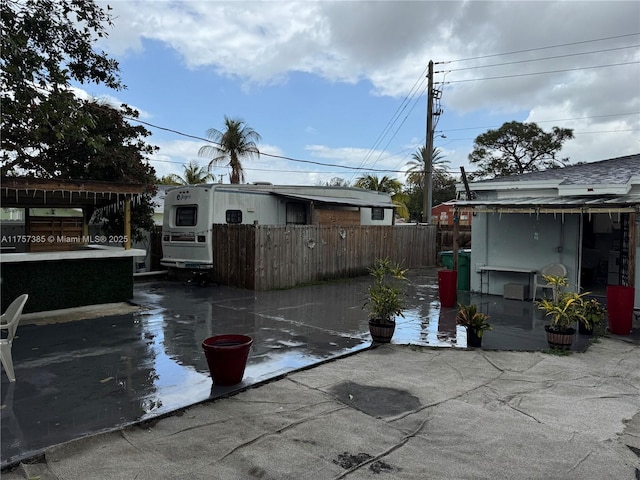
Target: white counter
(90, 251)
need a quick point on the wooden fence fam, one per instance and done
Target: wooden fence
(262, 257)
(445, 237)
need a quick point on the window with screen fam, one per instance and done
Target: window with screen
(186, 216)
(377, 213)
(234, 216)
(296, 213)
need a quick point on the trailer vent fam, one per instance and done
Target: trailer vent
(184, 237)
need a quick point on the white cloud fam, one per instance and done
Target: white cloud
(390, 43)
(110, 100)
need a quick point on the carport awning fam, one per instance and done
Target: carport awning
(609, 204)
(349, 201)
(24, 192)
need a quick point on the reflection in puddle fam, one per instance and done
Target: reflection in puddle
(429, 325)
(112, 371)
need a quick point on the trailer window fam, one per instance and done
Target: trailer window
(377, 213)
(296, 213)
(234, 216)
(186, 216)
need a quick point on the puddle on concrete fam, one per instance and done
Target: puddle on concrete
(107, 372)
(376, 401)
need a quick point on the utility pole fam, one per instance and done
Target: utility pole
(428, 161)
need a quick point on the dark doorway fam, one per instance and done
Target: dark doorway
(602, 251)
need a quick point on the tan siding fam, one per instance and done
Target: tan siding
(338, 217)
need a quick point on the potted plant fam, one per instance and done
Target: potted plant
(384, 298)
(564, 310)
(594, 313)
(474, 321)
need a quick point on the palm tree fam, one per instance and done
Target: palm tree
(193, 175)
(417, 166)
(388, 185)
(385, 184)
(237, 141)
(167, 180)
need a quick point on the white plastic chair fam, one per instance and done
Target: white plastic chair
(9, 322)
(555, 269)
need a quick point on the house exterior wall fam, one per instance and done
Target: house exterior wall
(588, 199)
(525, 241)
(443, 214)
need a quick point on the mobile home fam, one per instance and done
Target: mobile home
(190, 213)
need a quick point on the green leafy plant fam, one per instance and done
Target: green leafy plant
(565, 308)
(385, 294)
(468, 316)
(594, 313)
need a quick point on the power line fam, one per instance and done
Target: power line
(381, 170)
(359, 168)
(549, 121)
(540, 48)
(539, 73)
(403, 105)
(537, 59)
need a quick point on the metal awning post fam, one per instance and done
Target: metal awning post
(633, 232)
(456, 233)
(127, 223)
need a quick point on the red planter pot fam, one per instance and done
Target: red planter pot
(620, 307)
(447, 287)
(227, 357)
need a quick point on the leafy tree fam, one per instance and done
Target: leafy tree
(45, 45)
(117, 152)
(444, 188)
(517, 148)
(49, 132)
(237, 141)
(414, 202)
(400, 200)
(336, 182)
(108, 149)
(193, 174)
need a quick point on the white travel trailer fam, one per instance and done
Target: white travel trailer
(191, 211)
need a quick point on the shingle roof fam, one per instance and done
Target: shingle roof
(605, 172)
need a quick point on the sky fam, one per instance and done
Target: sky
(339, 88)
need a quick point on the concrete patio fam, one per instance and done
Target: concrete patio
(80, 378)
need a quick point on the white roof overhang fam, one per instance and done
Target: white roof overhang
(568, 204)
(513, 185)
(594, 190)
